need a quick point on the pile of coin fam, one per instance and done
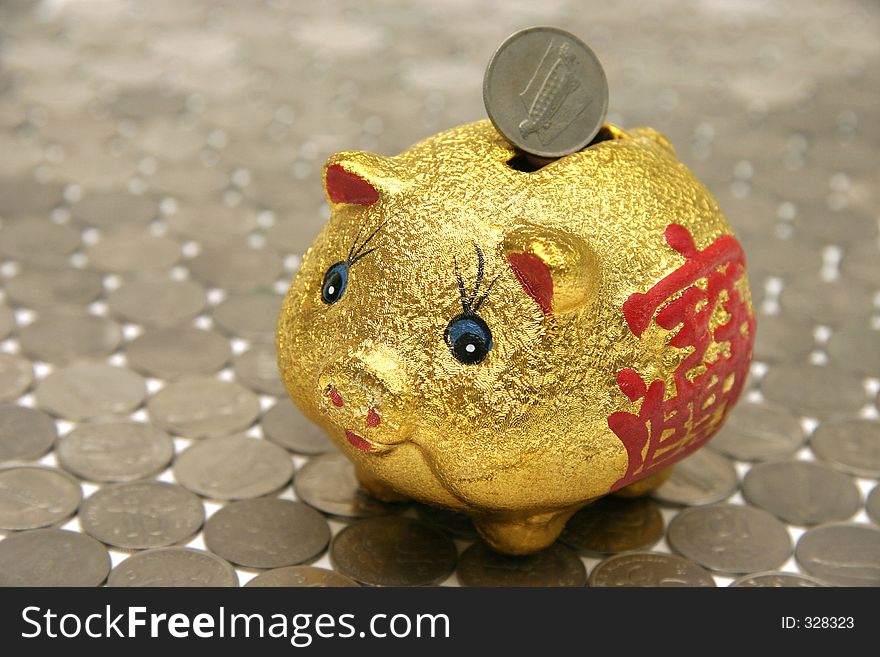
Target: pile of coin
(156, 196)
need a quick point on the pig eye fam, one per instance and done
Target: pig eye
(469, 338)
(335, 281)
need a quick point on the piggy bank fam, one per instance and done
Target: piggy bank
(513, 342)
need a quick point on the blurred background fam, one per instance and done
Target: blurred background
(183, 141)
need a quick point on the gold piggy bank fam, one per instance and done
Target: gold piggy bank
(514, 343)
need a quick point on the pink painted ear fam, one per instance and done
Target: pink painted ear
(345, 187)
(534, 276)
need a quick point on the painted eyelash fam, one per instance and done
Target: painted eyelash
(356, 254)
(467, 302)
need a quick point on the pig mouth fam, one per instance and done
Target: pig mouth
(359, 441)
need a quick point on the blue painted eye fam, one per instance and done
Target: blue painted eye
(335, 281)
(469, 338)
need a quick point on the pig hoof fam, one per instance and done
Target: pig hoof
(377, 488)
(524, 534)
(646, 485)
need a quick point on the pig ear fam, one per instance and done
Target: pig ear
(358, 178)
(557, 269)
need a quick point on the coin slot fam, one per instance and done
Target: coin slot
(528, 163)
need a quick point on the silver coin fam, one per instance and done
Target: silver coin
(146, 103)
(612, 524)
(173, 566)
(236, 268)
(759, 432)
(52, 557)
(25, 433)
(140, 515)
(249, 316)
(814, 391)
(855, 349)
(328, 483)
(110, 209)
(267, 533)
(649, 569)
(115, 451)
(169, 353)
(38, 242)
(393, 551)
(7, 321)
(285, 425)
(233, 468)
(802, 493)
(86, 391)
(199, 407)
(872, 505)
(783, 338)
(133, 251)
(777, 580)
(45, 288)
(292, 236)
(730, 539)
(26, 195)
(300, 576)
(830, 303)
(704, 477)
(157, 303)
(213, 224)
(841, 554)
(453, 523)
(16, 376)
(62, 337)
(787, 258)
(33, 497)
(860, 264)
(849, 445)
(557, 565)
(546, 92)
(257, 368)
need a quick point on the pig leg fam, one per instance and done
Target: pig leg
(522, 533)
(377, 488)
(646, 485)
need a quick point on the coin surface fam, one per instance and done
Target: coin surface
(851, 445)
(855, 349)
(52, 557)
(173, 566)
(704, 477)
(112, 208)
(115, 451)
(546, 92)
(612, 524)
(168, 353)
(133, 251)
(814, 391)
(39, 242)
(777, 580)
(284, 424)
(300, 576)
(557, 565)
(25, 433)
(34, 497)
(841, 554)
(393, 551)
(48, 288)
(236, 268)
(649, 569)
(140, 515)
(328, 483)
(250, 316)
(257, 368)
(453, 523)
(759, 432)
(157, 303)
(802, 493)
(199, 407)
(267, 533)
(872, 505)
(783, 339)
(84, 391)
(730, 539)
(7, 321)
(61, 337)
(233, 467)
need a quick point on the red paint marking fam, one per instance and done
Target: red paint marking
(357, 441)
(345, 187)
(373, 418)
(534, 275)
(666, 430)
(335, 397)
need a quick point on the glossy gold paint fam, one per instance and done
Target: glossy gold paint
(521, 440)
